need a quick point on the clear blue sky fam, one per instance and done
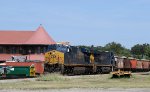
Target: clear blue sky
(81, 22)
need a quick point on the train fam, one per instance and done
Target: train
(132, 64)
(68, 59)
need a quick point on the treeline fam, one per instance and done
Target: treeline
(139, 51)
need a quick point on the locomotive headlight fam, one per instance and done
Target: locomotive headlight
(53, 53)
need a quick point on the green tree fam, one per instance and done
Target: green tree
(126, 52)
(141, 51)
(137, 49)
(117, 48)
(147, 52)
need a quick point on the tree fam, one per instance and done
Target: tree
(147, 52)
(141, 51)
(126, 52)
(117, 48)
(137, 49)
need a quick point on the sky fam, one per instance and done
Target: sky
(81, 22)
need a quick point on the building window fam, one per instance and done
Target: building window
(1, 49)
(38, 51)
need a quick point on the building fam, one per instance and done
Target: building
(33, 43)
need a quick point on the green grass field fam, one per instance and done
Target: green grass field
(57, 81)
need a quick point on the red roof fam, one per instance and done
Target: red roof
(38, 37)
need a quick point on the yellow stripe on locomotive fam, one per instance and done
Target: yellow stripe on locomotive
(54, 57)
(92, 58)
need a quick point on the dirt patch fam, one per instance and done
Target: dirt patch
(17, 80)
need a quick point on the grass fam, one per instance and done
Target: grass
(52, 77)
(57, 81)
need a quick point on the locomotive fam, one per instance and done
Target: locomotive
(67, 59)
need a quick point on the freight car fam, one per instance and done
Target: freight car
(120, 62)
(16, 71)
(139, 66)
(74, 58)
(145, 65)
(132, 64)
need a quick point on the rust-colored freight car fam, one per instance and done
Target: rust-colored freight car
(130, 64)
(127, 64)
(133, 63)
(139, 65)
(120, 62)
(145, 65)
(149, 65)
(39, 66)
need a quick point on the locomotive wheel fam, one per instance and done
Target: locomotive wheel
(94, 69)
(70, 70)
(88, 70)
(67, 70)
(106, 69)
(48, 68)
(62, 69)
(99, 70)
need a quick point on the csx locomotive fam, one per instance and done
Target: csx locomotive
(67, 59)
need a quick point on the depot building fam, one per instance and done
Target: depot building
(33, 44)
